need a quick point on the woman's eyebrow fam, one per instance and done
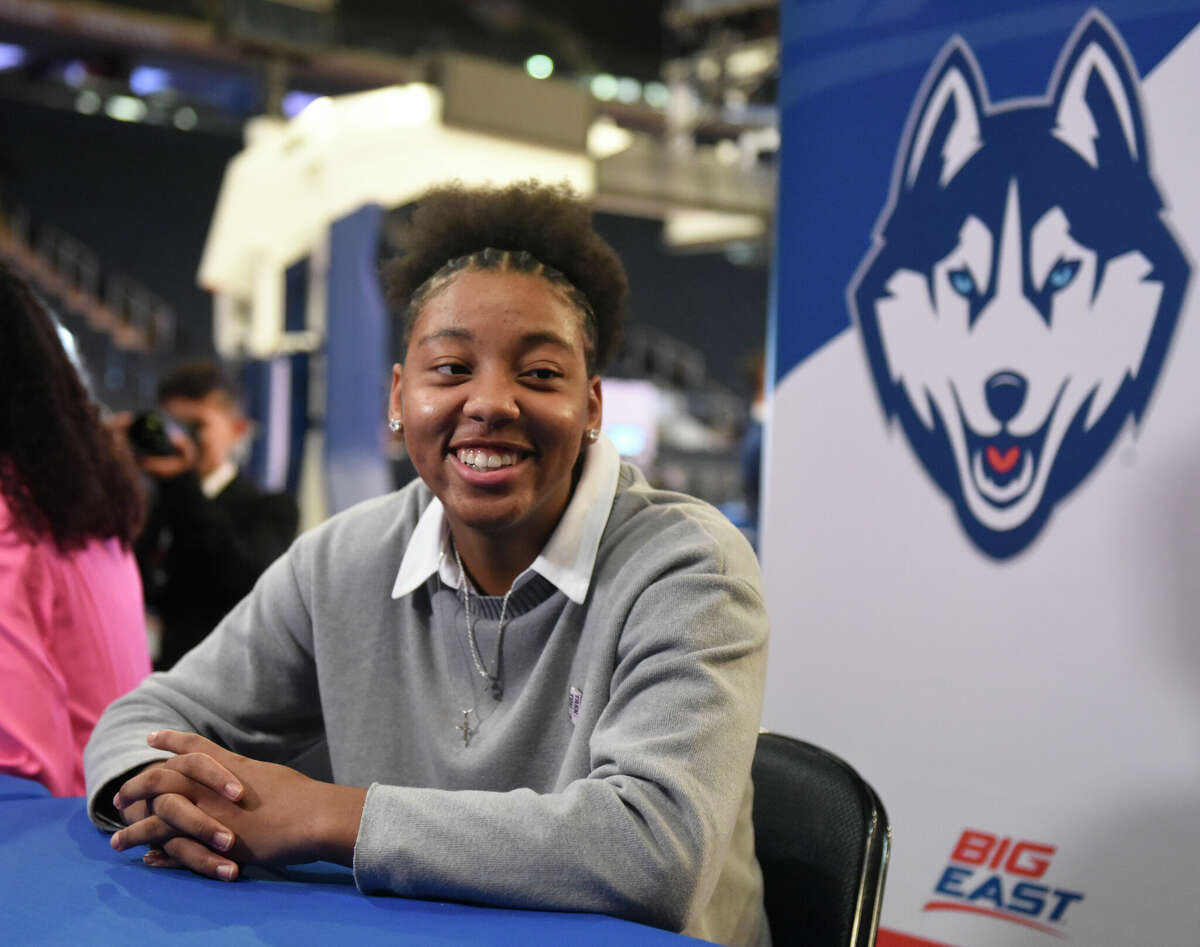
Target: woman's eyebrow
(529, 340)
(534, 339)
(465, 335)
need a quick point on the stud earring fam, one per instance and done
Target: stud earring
(592, 433)
(396, 425)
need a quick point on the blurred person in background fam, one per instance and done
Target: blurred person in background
(72, 637)
(527, 679)
(211, 531)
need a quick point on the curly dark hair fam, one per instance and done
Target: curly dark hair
(63, 474)
(529, 227)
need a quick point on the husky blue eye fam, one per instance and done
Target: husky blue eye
(963, 282)
(1064, 271)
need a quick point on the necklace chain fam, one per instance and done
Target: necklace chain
(494, 679)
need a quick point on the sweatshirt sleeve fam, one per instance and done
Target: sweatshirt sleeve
(645, 835)
(250, 686)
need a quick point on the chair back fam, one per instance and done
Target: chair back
(823, 839)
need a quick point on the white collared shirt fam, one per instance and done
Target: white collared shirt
(218, 480)
(566, 560)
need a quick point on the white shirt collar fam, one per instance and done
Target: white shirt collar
(218, 480)
(566, 560)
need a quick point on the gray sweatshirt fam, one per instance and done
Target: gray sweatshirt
(613, 776)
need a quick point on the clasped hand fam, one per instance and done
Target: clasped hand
(211, 810)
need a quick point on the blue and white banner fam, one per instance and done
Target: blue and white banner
(982, 493)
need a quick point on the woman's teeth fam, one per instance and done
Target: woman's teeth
(486, 460)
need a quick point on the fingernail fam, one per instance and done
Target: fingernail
(117, 801)
(152, 858)
(233, 790)
(152, 736)
(227, 871)
(115, 841)
(223, 840)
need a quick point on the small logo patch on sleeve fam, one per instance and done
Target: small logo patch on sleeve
(574, 700)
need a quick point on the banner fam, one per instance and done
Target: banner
(981, 505)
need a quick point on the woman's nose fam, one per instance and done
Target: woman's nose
(492, 399)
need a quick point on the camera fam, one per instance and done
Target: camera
(150, 435)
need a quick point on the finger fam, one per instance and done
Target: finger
(174, 776)
(187, 818)
(134, 812)
(157, 858)
(190, 854)
(178, 741)
(174, 815)
(200, 759)
(151, 831)
(150, 782)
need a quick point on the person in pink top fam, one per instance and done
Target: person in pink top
(72, 629)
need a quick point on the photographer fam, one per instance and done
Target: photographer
(211, 532)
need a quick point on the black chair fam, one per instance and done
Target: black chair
(823, 840)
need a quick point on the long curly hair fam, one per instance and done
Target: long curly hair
(62, 473)
(529, 227)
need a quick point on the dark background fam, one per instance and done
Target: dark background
(142, 196)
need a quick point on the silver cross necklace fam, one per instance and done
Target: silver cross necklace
(493, 678)
(465, 727)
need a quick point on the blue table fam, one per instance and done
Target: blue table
(61, 883)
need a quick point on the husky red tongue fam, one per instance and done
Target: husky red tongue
(1003, 463)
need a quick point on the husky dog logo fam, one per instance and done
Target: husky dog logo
(1022, 289)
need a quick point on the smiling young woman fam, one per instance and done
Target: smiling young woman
(496, 400)
(527, 679)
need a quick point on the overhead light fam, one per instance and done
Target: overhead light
(88, 102)
(146, 80)
(11, 55)
(125, 108)
(75, 73)
(628, 90)
(606, 138)
(604, 87)
(540, 66)
(656, 94)
(185, 118)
